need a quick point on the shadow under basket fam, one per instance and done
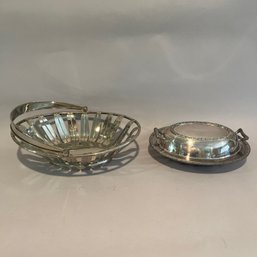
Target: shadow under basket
(71, 136)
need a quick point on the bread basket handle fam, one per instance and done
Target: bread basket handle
(35, 106)
(241, 135)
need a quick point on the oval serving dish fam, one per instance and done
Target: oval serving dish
(70, 135)
(200, 143)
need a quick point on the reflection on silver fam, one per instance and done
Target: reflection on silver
(71, 136)
(199, 142)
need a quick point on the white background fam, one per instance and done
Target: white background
(160, 62)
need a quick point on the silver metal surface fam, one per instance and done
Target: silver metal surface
(69, 135)
(202, 143)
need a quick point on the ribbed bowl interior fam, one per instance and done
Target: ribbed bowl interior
(94, 131)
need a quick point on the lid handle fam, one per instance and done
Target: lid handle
(241, 135)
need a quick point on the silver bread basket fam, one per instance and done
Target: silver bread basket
(70, 135)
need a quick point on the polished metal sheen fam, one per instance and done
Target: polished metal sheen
(201, 143)
(70, 135)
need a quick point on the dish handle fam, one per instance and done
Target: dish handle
(241, 135)
(159, 134)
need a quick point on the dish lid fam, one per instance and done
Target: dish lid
(195, 140)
